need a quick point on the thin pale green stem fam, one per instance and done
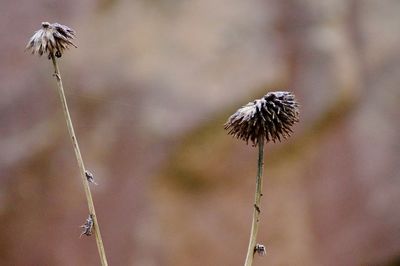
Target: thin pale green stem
(78, 155)
(256, 207)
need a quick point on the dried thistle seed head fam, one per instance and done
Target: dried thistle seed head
(52, 39)
(270, 117)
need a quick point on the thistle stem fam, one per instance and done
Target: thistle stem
(257, 200)
(78, 155)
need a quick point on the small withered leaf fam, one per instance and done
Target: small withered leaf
(90, 177)
(88, 226)
(270, 117)
(260, 250)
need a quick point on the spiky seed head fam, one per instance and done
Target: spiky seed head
(51, 38)
(270, 117)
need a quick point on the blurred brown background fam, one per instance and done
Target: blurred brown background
(150, 87)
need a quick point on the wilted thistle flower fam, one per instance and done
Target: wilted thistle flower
(270, 117)
(52, 39)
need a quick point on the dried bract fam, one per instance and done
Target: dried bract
(52, 39)
(270, 117)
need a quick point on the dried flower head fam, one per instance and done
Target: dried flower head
(270, 117)
(52, 39)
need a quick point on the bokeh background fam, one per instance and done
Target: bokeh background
(150, 87)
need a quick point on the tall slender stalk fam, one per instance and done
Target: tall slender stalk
(267, 119)
(78, 155)
(257, 200)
